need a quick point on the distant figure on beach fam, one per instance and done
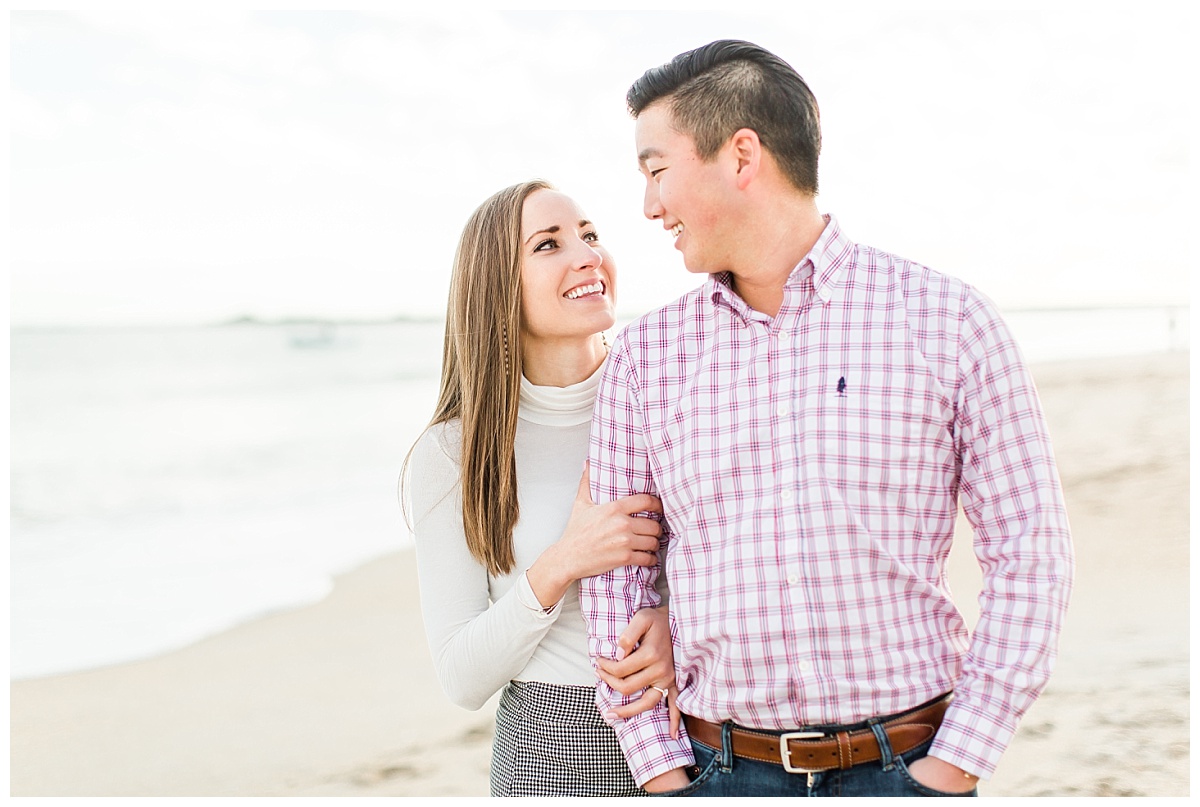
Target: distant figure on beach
(811, 417)
(503, 521)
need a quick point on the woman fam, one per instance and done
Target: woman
(503, 522)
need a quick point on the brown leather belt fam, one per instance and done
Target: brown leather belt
(816, 751)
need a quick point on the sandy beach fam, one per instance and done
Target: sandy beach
(340, 698)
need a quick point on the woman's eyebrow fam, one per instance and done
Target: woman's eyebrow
(550, 230)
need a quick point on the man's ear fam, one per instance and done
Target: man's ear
(746, 151)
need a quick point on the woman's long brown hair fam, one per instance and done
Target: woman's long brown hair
(481, 371)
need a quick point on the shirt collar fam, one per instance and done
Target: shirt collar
(718, 290)
(827, 260)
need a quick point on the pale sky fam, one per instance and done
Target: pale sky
(189, 167)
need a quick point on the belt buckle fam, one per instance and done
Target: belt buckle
(785, 753)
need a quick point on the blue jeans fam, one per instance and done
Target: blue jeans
(722, 774)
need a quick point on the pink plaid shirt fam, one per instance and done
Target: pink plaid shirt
(810, 467)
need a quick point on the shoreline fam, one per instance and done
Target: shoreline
(337, 672)
(339, 697)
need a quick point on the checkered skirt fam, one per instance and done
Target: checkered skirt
(551, 741)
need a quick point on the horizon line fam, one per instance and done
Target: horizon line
(305, 319)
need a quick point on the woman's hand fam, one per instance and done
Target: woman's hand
(644, 661)
(598, 539)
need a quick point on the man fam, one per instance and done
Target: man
(811, 418)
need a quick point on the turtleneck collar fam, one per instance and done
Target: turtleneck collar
(559, 406)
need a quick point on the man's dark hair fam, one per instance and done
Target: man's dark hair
(727, 85)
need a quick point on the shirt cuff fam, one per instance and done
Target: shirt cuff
(528, 599)
(972, 738)
(649, 748)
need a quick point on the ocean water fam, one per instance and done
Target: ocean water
(167, 484)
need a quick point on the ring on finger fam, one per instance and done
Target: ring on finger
(663, 690)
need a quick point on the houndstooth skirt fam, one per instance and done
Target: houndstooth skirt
(551, 741)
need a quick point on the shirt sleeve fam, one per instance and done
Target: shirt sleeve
(620, 466)
(476, 649)
(1010, 492)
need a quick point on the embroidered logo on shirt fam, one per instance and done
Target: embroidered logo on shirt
(842, 387)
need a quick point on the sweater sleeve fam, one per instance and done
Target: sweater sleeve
(476, 648)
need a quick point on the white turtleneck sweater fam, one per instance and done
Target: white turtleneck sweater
(478, 648)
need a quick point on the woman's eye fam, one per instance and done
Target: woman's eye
(549, 243)
(590, 237)
(654, 174)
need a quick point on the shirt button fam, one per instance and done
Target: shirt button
(782, 410)
(793, 579)
(804, 665)
(786, 495)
